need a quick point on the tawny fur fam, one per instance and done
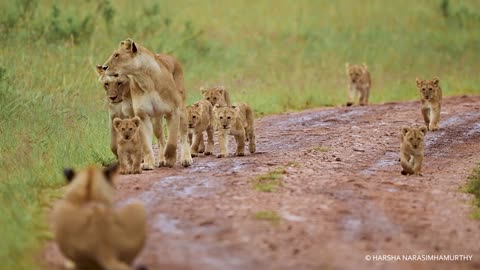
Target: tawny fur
(216, 95)
(431, 98)
(359, 83)
(200, 119)
(412, 145)
(154, 94)
(237, 120)
(89, 230)
(131, 144)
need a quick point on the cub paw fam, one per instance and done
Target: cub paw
(403, 172)
(221, 155)
(187, 162)
(433, 128)
(207, 153)
(349, 104)
(137, 171)
(147, 166)
(240, 154)
(194, 155)
(252, 148)
(162, 163)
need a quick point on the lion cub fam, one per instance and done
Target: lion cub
(131, 142)
(431, 97)
(236, 120)
(89, 230)
(216, 95)
(200, 119)
(412, 144)
(359, 83)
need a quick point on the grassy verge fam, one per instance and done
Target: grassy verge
(473, 187)
(52, 113)
(270, 216)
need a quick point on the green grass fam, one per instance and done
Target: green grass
(270, 216)
(270, 181)
(473, 187)
(276, 55)
(320, 148)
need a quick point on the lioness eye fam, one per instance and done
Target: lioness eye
(228, 117)
(106, 84)
(208, 98)
(430, 88)
(119, 83)
(221, 117)
(194, 117)
(130, 129)
(215, 98)
(123, 129)
(116, 55)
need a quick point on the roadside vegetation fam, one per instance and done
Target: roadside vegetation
(473, 187)
(276, 55)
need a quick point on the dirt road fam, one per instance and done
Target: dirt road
(341, 197)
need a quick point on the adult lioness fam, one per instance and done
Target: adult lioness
(89, 230)
(157, 95)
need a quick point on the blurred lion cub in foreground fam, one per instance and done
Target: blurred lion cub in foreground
(412, 145)
(89, 230)
(131, 144)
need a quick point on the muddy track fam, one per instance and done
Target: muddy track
(342, 196)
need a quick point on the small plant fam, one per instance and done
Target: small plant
(320, 148)
(473, 187)
(269, 182)
(270, 216)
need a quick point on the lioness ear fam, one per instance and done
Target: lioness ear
(99, 69)
(221, 91)
(419, 82)
(424, 129)
(110, 171)
(136, 120)
(405, 130)
(69, 174)
(116, 123)
(436, 81)
(129, 45)
(196, 105)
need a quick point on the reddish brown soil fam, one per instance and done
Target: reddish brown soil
(342, 196)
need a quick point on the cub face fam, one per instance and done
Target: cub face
(225, 116)
(91, 184)
(414, 137)
(115, 85)
(127, 128)
(194, 115)
(122, 58)
(355, 72)
(428, 88)
(215, 96)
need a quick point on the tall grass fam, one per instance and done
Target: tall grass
(276, 55)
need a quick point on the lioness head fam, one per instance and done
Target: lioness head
(91, 184)
(194, 115)
(126, 128)
(428, 88)
(214, 95)
(225, 116)
(122, 58)
(414, 136)
(116, 86)
(355, 72)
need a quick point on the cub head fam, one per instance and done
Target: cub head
(122, 59)
(194, 115)
(116, 86)
(127, 128)
(428, 88)
(91, 184)
(414, 137)
(225, 116)
(214, 95)
(355, 72)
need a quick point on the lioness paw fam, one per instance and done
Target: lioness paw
(207, 153)
(187, 162)
(240, 154)
(147, 166)
(221, 155)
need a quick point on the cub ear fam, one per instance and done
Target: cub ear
(116, 123)
(364, 66)
(203, 91)
(234, 106)
(216, 107)
(419, 82)
(99, 69)
(129, 45)
(110, 171)
(424, 129)
(221, 91)
(436, 81)
(69, 174)
(347, 65)
(136, 120)
(196, 105)
(405, 130)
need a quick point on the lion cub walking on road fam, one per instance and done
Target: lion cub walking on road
(89, 230)
(359, 83)
(131, 143)
(200, 119)
(236, 120)
(412, 144)
(431, 97)
(216, 95)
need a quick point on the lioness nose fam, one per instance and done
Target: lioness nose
(225, 126)
(113, 98)
(104, 67)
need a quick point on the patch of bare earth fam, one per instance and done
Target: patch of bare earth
(342, 196)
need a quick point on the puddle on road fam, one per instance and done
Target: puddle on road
(389, 159)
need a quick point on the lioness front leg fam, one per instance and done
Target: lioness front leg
(426, 116)
(185, 154)
(252, 145)
(148, 160)
(173, 122)
(223, 142)
(113, 139)
(210, 142)
(158, 130)
(240, 144)
(435, 118)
